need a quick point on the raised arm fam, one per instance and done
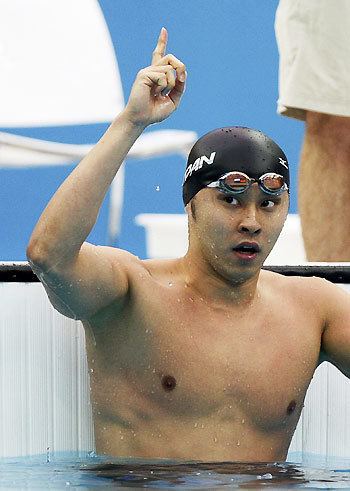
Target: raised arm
(80, 278)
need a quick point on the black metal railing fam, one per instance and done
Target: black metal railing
(336, 273)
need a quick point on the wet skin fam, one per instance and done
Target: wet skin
(209, 358)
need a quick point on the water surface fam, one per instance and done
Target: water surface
(93, 472)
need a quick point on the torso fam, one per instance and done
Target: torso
(174, 376)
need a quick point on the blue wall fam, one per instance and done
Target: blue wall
(230, 51)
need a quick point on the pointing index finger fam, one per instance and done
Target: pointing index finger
(160, 49)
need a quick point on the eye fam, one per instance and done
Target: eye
(231, 200)
(269, 203)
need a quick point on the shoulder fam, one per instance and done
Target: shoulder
(315, 294)
(120, 258)
(162, 269)
(153, 269)
(311, 290)
(299, 282)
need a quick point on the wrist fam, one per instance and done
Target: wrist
(130, 123)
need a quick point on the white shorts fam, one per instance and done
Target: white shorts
(313, 38)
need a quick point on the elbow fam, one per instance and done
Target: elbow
(36, 254)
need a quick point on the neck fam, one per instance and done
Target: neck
(210, 284)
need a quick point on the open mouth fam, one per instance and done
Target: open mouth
(247, 249)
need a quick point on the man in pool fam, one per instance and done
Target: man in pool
(206, 356)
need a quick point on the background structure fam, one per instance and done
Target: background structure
(231, 55)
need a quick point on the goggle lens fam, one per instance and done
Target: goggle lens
(237, 182)
(272, 182)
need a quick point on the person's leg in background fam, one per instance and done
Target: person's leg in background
(324, 187)
(314, 87)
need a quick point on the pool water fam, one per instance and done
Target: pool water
(94, 472)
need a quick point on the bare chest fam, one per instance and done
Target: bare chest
(184, 359)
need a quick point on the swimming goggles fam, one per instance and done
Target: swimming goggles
(237, 182)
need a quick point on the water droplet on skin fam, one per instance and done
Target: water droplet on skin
(191, 299)
(238, 443)
(122, 438)
(91, 370)
(243, 420)
(215, 439)
(157, 188)
(170, 284)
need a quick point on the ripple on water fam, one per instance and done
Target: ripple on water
(92, 472)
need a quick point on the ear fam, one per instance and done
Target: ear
(192, 204)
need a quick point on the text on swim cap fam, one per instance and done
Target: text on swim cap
(198, 164)
(283, 162)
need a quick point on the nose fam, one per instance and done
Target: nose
(249, 223)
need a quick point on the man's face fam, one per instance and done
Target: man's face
(222, 222)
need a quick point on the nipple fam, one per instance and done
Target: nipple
(168, 382)
(291, 407)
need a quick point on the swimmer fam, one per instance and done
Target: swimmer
(205, 357)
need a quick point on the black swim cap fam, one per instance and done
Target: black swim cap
(227, 149)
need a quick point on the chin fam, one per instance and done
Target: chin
(236, 275)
